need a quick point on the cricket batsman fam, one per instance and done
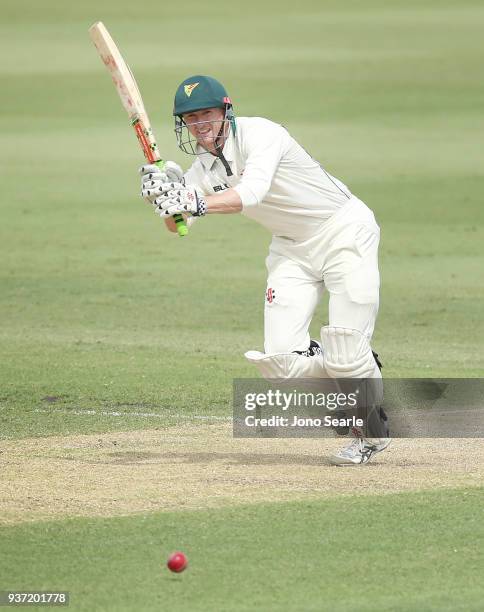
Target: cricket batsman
(323, 237)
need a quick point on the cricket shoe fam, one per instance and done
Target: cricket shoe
(359, 451)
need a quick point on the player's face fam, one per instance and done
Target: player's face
(205, 125)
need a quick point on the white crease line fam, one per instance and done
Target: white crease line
(137, 414)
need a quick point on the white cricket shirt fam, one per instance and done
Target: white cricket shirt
(281, 186)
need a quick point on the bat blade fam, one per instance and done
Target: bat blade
(131, 99)
(127, 89)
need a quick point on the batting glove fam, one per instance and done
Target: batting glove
(156, 181)
(178, 201)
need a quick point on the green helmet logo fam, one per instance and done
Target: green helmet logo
(199, 92)
(190, 88)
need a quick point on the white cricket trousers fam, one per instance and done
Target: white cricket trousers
(341, 257)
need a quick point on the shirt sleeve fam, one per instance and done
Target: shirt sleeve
(264, 144)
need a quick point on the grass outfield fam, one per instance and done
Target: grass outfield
(110, 324)
(396, 552)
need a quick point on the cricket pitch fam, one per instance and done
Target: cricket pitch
(203, 466)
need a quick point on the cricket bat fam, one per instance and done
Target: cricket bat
(131, 99)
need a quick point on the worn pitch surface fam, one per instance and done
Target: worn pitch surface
(202, 466)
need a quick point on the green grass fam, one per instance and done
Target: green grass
(400, 552)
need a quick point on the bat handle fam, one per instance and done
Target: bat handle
(181, 225)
